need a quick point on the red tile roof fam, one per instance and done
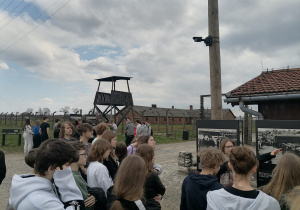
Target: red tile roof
(269, 83)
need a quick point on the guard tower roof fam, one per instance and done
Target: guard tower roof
(113, 79)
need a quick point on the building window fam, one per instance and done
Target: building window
(165, 119)
(147, 118)
(179, 119)
(156, 119)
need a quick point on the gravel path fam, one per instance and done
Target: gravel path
(166, 155)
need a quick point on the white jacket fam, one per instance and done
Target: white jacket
(27, 131)
(98, 176)
(221, 199)
(37, 193)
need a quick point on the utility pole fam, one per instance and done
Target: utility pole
(215, 61)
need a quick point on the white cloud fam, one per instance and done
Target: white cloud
(4, 66)
(47, 100)
(150, 41)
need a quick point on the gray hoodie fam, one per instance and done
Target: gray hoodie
(32, 192)
(221, 199)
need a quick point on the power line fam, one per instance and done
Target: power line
(28, 25)
(35, 27)
(6, 6)
(12, 11)
(14, 17)
(2, 3)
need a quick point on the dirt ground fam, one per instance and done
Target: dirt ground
(166, 155)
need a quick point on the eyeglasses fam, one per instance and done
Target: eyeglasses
(85, 155)
(227, 147)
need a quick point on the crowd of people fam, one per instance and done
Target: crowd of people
(84, 167)
(225, 181)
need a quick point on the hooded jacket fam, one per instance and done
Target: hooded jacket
(222, 199)
(194, 189)
(32, 192)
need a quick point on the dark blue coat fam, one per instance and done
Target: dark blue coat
(194, 189)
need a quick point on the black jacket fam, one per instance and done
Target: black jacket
(265, 157)
(111, 166)
(153, 187)
(2, 166)
(194, 189)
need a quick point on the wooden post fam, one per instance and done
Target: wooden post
(158, 122)
(17, 118)
(167, 122)
(172, 128)
(201, 108)
(215, 61)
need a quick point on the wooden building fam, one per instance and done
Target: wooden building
(156, 115)
(276, 92)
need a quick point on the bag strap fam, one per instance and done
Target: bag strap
(131, 149)
(140, 205)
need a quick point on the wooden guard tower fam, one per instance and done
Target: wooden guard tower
(114, 99)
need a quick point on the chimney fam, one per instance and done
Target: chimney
(172, 107)
(191, 107)
(153, 105)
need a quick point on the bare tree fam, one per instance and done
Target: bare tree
(75, 110)
(40, 111)
(65, 109)
(28, 110)
(46, 110)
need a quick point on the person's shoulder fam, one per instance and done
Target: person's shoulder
(213, 193)
(217, 186)
(41, 200)
(76, 173)
(97, 164)
(268, 197)
(152, 176)
(268, 200)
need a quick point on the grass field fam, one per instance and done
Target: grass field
(11, 141)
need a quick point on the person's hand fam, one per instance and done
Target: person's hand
(91, 200)
(158, 198)
(276, 151)
(62, 168)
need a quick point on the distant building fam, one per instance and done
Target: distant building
(156, 115)
(277, 94)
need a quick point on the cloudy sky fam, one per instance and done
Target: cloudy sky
(51, 52)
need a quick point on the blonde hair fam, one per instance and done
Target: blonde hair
(129, 181)
(293, 199)
(210, 157)
(286, 175)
